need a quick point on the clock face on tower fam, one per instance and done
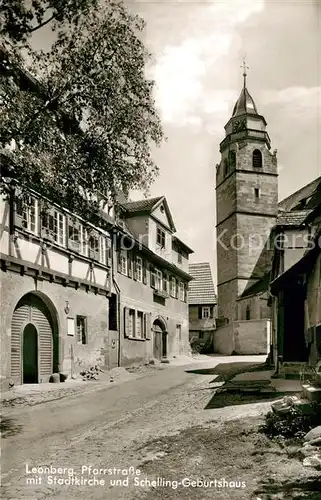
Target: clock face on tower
(239, 125)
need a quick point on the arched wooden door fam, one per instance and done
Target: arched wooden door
(160, 340)
(32, 310)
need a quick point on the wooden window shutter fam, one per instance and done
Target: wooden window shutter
(144, 272)
(130, 264)
(18, 212)
(126, 321)
(185, 291)
(177, 289)
(152, 276)
(135, 266)
(199, 312)
(147, 325)
(211, 312)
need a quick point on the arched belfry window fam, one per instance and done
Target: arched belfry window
(257, 158)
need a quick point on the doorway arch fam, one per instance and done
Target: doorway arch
(34, 334)
(159, 338)
(30, 354)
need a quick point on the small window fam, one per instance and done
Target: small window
(206, 312)
(27, 209)
(123, 262)
(248, 313)
(81, 322)
(161, 237)
(257, 193)
(257, 158)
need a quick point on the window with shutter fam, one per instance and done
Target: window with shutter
(53, 226)
(173, 287)
(26, 213)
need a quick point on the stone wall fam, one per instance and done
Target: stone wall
(243, 337)
(82, 303)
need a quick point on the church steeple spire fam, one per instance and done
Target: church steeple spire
(245, 103)
(244, 72)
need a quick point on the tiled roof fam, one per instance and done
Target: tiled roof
(305, 192)
(294, 218)
(201, 288)
(141, 205)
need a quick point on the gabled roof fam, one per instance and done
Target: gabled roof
(301, 196)
(201, 288)
(147, 206)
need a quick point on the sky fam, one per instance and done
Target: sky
(198, 48)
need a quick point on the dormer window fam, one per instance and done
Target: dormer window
(161, 236)
(257, 159)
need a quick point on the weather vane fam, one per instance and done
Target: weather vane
(244, 70)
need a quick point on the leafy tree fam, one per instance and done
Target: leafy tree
(81, 117)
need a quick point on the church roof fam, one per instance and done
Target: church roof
(201, 288)
(306, 197)
(244, 104)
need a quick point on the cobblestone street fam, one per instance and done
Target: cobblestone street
(156, 424)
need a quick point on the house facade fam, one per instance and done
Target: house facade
(296, 282)
(202, 304)
(76, 295)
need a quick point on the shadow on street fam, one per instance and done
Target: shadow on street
(9, 427)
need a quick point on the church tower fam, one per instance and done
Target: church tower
(246, 202)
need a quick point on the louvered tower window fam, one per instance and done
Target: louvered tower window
(257, 158)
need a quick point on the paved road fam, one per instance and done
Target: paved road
(105, 429)
(58, 432)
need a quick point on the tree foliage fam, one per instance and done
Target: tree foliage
(80, 117)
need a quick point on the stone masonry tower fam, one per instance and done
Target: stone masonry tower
(246, 202)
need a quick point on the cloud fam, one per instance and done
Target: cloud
(305, 97)
(181, 69)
